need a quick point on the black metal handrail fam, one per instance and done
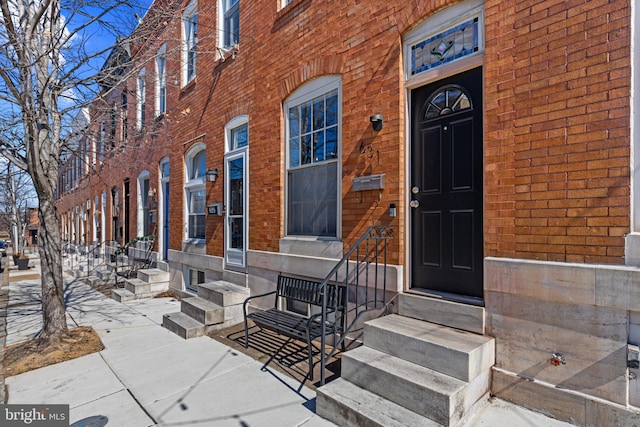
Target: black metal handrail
(74, 252)
(370, 250)
(91, 255)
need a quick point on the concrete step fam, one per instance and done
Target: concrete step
(439, 397)
(348, 405)
(460, 354)
(136, 286)
(105, 275)
(162, 265)
(202, 310)
(183, 325)
(447, 313)
(119, 267)
(153, 275)
(122, 295)
(156, 288)
(223, 293)
(93, 280)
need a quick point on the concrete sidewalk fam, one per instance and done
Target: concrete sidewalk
(148, 376)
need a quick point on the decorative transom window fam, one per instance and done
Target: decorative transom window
(446, 100)
(164, 169)
(161, 81)
(189, 53)
(454, 33)
(141, 99)
(239, 137)
(195, 195)
(449, 45)
(313, 138)
(230, 25)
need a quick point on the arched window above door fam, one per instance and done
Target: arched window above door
(446, 100)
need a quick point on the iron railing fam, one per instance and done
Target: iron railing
(363, 271)
(74, 253)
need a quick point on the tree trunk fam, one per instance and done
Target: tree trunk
(50, 249)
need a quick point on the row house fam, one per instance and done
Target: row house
(496, 139)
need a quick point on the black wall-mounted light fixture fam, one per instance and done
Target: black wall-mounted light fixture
(212, 174)
(376, 121)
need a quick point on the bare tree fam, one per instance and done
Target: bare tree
(14, 202)
(49, 63)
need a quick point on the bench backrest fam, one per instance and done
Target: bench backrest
(308, 291)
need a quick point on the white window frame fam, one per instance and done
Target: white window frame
(236, 258)
(161, 81)
(189, 42)
(315, 88)
(141, 99)
(230, 127)
(228, 9)
(144, 175)
(164, 179)
(191, 186)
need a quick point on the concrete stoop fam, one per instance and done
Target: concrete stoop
(410, 372)
(105, 275)
(149, 283)
(217, 306)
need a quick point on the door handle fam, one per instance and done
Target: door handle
(414, 203)
(415, 189)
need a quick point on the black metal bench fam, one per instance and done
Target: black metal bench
(297, 326)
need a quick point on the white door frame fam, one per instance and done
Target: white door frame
(235, 258)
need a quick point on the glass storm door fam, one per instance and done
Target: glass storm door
(165, 228)
(446, 187)
(235, 212)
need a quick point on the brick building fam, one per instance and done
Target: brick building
(496, 138)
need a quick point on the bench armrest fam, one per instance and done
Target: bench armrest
(313, 317)
(246, 301)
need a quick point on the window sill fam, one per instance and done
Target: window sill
(193, 241)
(194, 246)
(324, 247)
(290, 11)
(188, 87)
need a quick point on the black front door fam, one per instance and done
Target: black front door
(446, 186)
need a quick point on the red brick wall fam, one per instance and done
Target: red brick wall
(557, 82)
(556, 121)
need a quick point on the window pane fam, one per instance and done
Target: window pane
(305, 149)
(199, 165)
(305, 117)
(318, 146)
(236, 174)
(332, 108)
(318, 113)
(294, 122)
(294, 152)
(197, 202)
(312, 208)
(237, 234)
(239, 137)
(196, 226)
(331, 142)
(164, 167)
